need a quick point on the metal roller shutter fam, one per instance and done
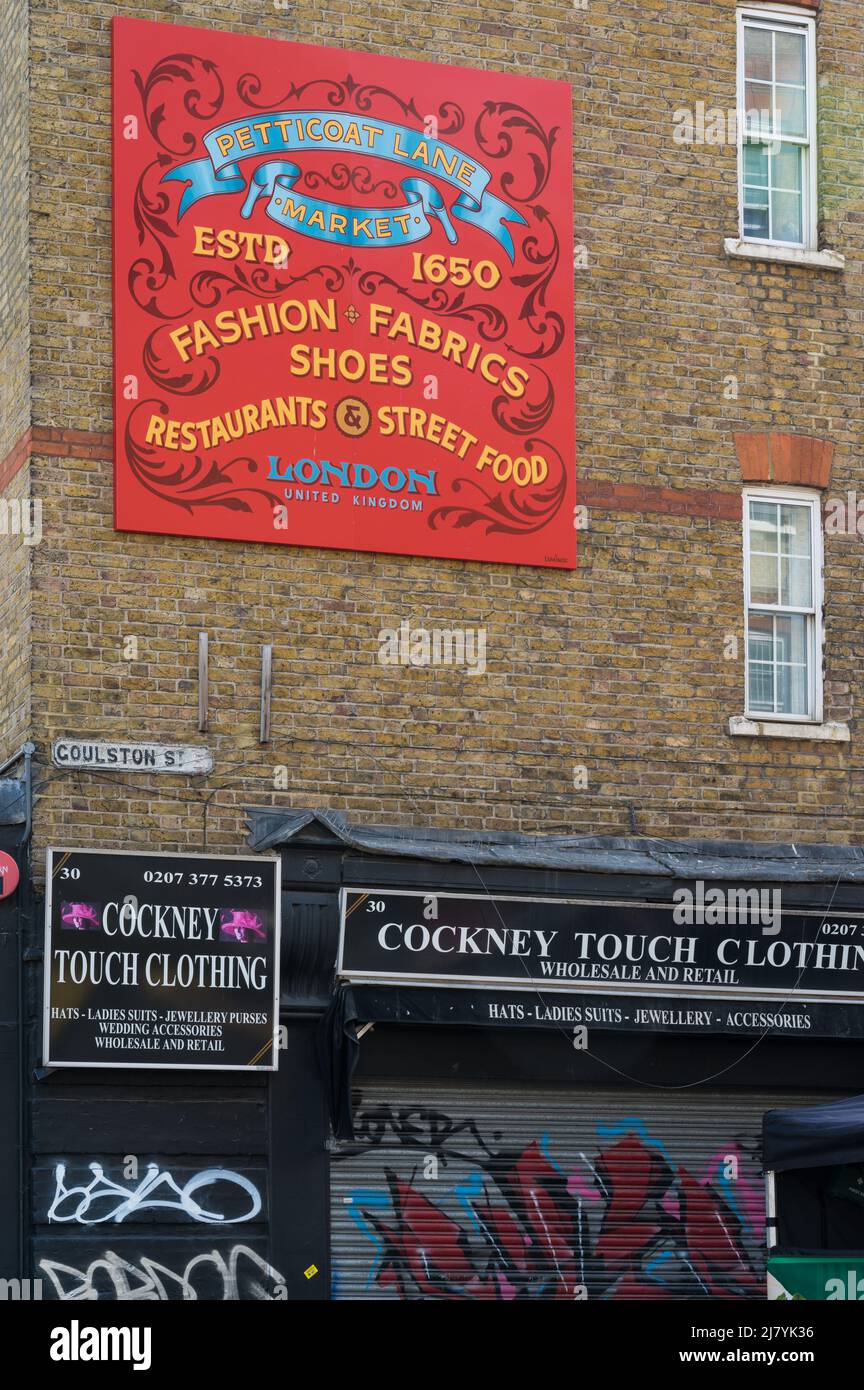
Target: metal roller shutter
(500, 1193)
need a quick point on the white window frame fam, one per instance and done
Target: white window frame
(774, 17)
(813, 500)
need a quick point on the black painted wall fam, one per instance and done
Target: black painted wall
(129, 1171)
(269, 1133)
(11, 908)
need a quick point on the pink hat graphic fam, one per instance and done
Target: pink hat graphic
(79, 916)
(241, 926)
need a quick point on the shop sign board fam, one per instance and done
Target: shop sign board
(642, 964)
(161, 960)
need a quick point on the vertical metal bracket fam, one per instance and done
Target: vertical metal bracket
(266, 688)
(203, 681)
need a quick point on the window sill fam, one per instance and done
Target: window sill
(738, 249)
(743, 727)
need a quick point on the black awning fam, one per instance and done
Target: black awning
(736, 861)
(816, 1136)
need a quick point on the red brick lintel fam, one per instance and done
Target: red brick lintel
(15, 460)
(669, 501)
(53, 443)
(76, 444)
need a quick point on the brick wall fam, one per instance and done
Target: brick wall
(620, 667)
(15, 618)
(14, 318)
(14, 376)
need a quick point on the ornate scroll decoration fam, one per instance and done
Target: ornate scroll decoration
(528, 413)
(508, 511)
(151, 274)
(503, 129)
(450, 116)
(546, 324)
(342, 176)
(202, 101)
(190, 482)
(208, 287)
(183, 378)
(489, 321)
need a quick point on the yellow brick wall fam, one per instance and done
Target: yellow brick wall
(14, 375)
(619, 667)
(14, 317)
(15, 618)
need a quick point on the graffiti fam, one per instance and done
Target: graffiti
(243, 1275)
(103, 1200)
(630, 1223)
(417, 1127)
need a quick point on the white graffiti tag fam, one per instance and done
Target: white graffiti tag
(112, 1277)
(118, 1203)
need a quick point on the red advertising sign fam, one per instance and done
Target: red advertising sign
(343, 299)
(9, 874)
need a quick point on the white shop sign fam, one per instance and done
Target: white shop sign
(180, 759)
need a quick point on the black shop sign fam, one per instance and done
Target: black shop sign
(161, 961)
(571, 945)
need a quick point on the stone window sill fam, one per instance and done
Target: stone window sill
(833, 732)
(788, 255)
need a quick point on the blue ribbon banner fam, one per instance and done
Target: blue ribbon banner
(289, 131)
